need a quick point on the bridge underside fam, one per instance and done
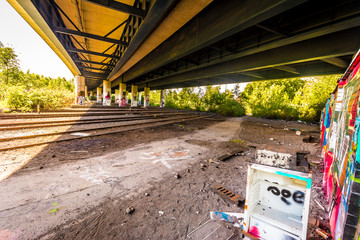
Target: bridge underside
(178, 43)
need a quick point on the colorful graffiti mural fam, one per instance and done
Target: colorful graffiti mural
(340, 126)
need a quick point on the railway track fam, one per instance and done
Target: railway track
(109, 124)
(44, 124)
(67, 114)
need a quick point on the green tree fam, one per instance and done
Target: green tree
(8, 62)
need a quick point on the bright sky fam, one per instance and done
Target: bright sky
(34, 54)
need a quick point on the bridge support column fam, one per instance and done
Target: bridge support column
(134, 95)
(117, 97)
(91, 93)
(79, 89)
(139, 99)
(123, 95)
(126, 97)
(146, 97)
(99, 95)
(86, 92)
(106, 93)
(162, 98)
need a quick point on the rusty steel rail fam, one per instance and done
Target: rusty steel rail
(84, 120)
(85, 130)
(35, 115)
(144, 125)
(45, 124)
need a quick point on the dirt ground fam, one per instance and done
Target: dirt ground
(83, 189)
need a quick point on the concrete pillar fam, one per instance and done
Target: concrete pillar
(117, 95)
(134, 95)
(146, 97)
(99, 95)
(123, 95)
(91, 93)
(126, 97)
(106, 93)
(79, 89)
(86, 92)
(162, 98)
(139, 103)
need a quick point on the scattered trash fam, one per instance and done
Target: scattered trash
(271, 139)
(239, 141)
(55, 204)
(130, 210)
(54, 210)
(80, 134)
(161, 213)
(302, 162)
(147, 194)
(286, 129)
(236, 219)
(311, 139)
(275, 159)
(322, 233)
(203, 165)
(321, 206)
(230, 154)
(228, 196)
(314, 222)
(177, 176)
(298, 133)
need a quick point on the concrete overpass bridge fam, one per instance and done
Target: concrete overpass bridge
(160, 44)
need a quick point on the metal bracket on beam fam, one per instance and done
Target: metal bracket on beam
(93, 74)
(91, 53)
(122, 7)
(277, 32)
(93, 62)
(287, 69)
(87, 35)
(92, 68)
(251, 75)
(336, 62)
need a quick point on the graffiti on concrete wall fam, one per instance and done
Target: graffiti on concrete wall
(340, 127)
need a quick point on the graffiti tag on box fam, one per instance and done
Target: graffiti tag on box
(297, 196)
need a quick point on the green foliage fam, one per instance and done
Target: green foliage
(155, 98)
(209, 100)
(92, 98)
(289, 99)
(9, 64)
(23, 99)
(23, 91)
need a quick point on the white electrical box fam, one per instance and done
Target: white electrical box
(277, 203)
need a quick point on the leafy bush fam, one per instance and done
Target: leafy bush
(92, 97)
(211, 100)
(26, 100)
(289, 99)
(24, 91)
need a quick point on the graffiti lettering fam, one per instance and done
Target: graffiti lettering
(285, 194)
(297, 196)
(274, 190)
